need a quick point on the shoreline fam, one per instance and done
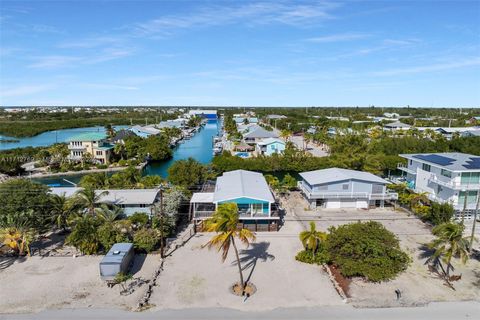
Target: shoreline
(72, 173)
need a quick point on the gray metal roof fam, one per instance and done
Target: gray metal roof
(242, 184)
(397, 124)
(454, 161)
(259, 132)
(116, 253)
(128, 196)
(337, 174)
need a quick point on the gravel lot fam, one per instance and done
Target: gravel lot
(196, 277)
(418, 286)
(65, 282)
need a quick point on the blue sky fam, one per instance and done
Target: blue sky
(279, 53)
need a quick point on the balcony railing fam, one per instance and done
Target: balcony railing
(454, 184)
(404, 167)
(247, 214)
(348, 195)
(72, 147)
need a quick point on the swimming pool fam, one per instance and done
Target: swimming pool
(242, 154)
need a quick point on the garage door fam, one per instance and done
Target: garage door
(362, 204)
(349, 203)
(333, 204)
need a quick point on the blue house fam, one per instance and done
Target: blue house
(249, 190)
(270, 146)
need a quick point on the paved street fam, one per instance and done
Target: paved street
(437, 311)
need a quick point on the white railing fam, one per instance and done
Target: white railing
(347, 195)
(404, 167)
(455, 184)
(72, 147)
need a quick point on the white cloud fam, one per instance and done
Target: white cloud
(249, 14)
(54, 61)
(339, 37)
(429, 68)
(23, 90)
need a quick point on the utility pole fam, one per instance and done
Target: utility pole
(474, 222)
(160, 218)
(465, 192)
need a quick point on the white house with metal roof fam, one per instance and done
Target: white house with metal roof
(130, 200)
(446, 177)
(257, 133)
(249, 190)
(343, 188)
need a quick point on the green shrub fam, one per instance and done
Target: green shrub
(111, 233)
(139, 218)
(306, 256)
(146, 239)
(366, 250)
(122, 163)
(101, 166)
(84, 235)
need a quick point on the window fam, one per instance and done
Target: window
(257, 208)
(446, 173)
(345, 186)
(439, 189)
(99, 153)
(411, 162)
(471, 197)
(426, 167)
(470, 178)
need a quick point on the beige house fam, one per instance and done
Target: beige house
(92, 143)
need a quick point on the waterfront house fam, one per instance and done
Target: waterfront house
(270, 146)
(471, 133)
(93, 143)
(242, 120)
(342, 188)
(145, 131)
(257, 133)
(130, 200)
(249, 190)
(207, 114)
(446, 177)
(121, 135)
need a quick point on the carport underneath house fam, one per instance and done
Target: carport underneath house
(342, 188)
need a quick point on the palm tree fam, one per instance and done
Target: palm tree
(61, 209)
(119, 149)
(285, 134)
(224, 222)
(448, 244)
(109, 214)
(18, 232)
(87, 199)
(312, 238)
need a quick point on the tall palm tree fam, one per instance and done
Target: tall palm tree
(87, 199)
(449, 243)
(312, 238)
(224, 222)
(61, 209)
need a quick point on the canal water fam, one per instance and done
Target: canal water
(48, 138)
(199, 147)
